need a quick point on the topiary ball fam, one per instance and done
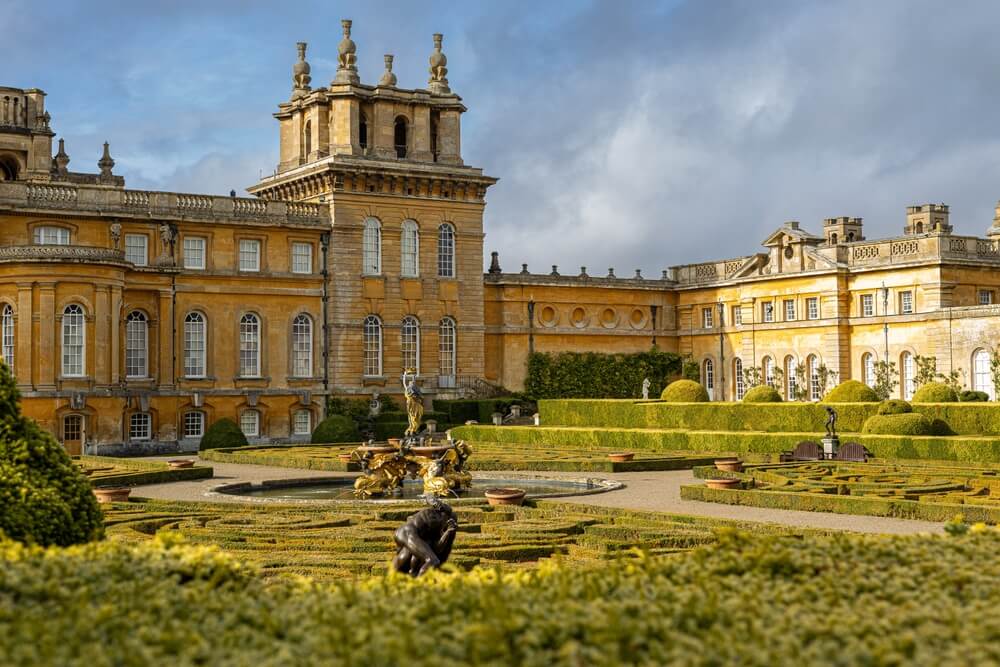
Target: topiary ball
(223, 433)
(44, 497)
(935, 392)
(974, 396)
(894, 406)
(336, 428)
(684, 391)
(762, 394)
(851, 391)
(910, 423)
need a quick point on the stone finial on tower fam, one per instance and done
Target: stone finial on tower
(388, 78)
(106, 164)
(495, 263)
(438, 83)
(61, 160)
(347, 67)
(300, 73)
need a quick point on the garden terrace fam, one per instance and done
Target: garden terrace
(109, 471)
(929, 491)
(356, 539)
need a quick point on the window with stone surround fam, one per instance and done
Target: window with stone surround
(738, 378)
(737, 317)
(985, 297)
(49, 235)
(302, 256)
(194, 345)
(372, 346)
(446, 251)
(302, 422)
(867, 305)
(410, 343)
(908, 376)
(791, 382)
(868, 369)
(906, 302)
(812, 365)
(7, 335)
(194, 252)
(447, 352)
(250, 346)
(137, 249)
(194, 424)
(302, 346)
(136, 345)
(250, 423)
(707, 319)
(789, 310)
(982, 378)
(140, 426)
(249, 255)
(767, 309)
(708, 374)
(812, 308)
(73, 341)
(371, 251)
(410, 249)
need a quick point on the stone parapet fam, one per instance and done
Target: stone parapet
(582, 280)
(62, 253)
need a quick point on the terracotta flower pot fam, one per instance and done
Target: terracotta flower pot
(112, 494)
(722, 483)
(505, 496)
(181, 463)
(730, 464)
(621, 457)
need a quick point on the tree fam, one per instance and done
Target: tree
(826, 378)
(800, 390)
(926, 370)
(955, 379)
(886, 379)
(752, 377)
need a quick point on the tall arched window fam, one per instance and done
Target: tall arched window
(399, 137)
(250, 346)
(136, 345)
(982, 379)
(302, 346)
(410, 244)
(372, 346)
(741, 389)
(791, 382)
(768, 365)
(446, 251)
(73, 341)
(372, 248)
(812, 367)
(410, 343)
(194, 345)
(708, 376)
(868, 369)
(446, 352)
(908, 379)
(7, 335)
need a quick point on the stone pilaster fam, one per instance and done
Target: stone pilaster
(166, 317)
(103, 351)
(23, 358)
(47, 327)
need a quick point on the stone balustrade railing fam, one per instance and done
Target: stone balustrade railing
(61, 253)
(916, 248)
(157, 205)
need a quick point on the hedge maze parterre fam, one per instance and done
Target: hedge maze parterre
(355, 540)
(110, 471)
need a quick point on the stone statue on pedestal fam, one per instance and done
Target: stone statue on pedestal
(645, 389)
(425, 540)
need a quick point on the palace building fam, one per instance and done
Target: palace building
(134, 319)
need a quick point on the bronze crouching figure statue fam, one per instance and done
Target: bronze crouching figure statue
(425, 540)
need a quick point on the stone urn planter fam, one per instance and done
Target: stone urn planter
(729, 464)
(621, 457)
(722, 483)
(112, 494)
(505, 496)
(180, 463)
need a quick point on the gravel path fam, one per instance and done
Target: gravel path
(654, 491)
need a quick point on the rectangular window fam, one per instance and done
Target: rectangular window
(737, 316)
(249, 255)
(51, 236)
(303, 423)
(194, 424)
(72, 428)
(985, 297)
(137, 249)
(250, 423)
(194, 252)
(139, 426)
(906, 302)
(867, 305)
(302, 258)
(789, 310)
(706, 318)
(768, 309)
(812, 308)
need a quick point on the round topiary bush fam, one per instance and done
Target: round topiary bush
(935, 392)
(336, 428)
(909, 423)
(684, 391)
(851, 391)
(223, 433)
(894, 406)
(45, 498)
(968, 396)
(762, 394)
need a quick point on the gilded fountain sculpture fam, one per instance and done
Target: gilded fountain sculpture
(418, 455)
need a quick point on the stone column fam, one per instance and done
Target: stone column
(102, 336)
(25, 339)
(166, 317)
(47, 327)
(115, 329)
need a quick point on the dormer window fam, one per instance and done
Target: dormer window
(51, 236)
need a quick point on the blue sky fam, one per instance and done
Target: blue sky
(625, 134)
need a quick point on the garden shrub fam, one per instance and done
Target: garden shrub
(459, 411)
(44, 498)
(762, 394)
(684, 391)
(223, 433)
(596, 375)
(899, 424)
(935, 392)
(336, 428)
(969, 396)
(894, 406)
(851, 391)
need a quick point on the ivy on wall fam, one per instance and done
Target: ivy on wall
(596, 375)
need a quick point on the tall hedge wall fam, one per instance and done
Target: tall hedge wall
(595, 375)
(963, 418)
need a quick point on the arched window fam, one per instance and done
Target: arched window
(446, 352)
(136, 345)
(410, 343)
(250, 423)
(372, 248)
(372, 346)
(399, 137)
(302, 422)
(410, 244)
(868, 369)
(8, 169)
(363, 132)
(833, 238)
(302, 346)
(7, 335)
(446, 251)
(708, 376)
(194, 345)
(768, 365)
(791, 383)
(812, 366)
(741, 389)
(250, 346)
(982, 379)
(908, 379)
(919, 228)
(73, 341)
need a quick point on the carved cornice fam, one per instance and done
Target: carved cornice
(62, 253)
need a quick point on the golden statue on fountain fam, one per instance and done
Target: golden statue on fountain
(441, 465)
